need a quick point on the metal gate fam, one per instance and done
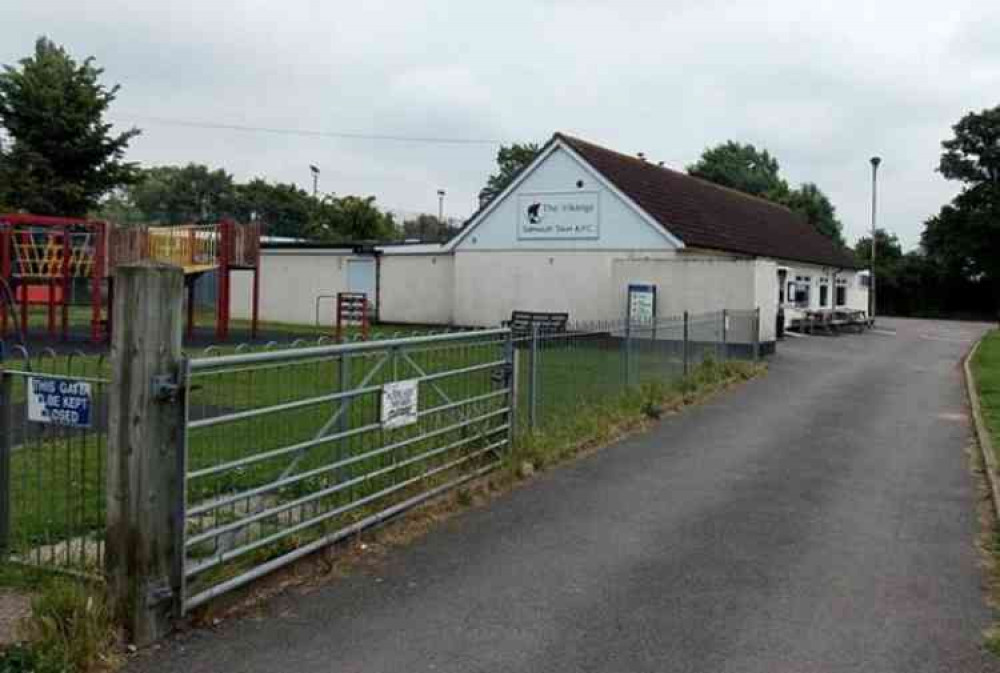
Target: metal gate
(289, 451)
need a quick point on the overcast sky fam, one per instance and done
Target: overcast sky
(822, 85)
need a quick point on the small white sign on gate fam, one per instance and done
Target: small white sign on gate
(399, 404)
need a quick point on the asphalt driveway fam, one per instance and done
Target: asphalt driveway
(820, 519)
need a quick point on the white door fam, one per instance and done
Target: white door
(361, 278)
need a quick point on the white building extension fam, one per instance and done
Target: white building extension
(569, 234)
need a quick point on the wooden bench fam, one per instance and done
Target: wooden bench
(522, 323)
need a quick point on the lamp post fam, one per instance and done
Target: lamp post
(875, 161)
(315, 173)
(441, 206)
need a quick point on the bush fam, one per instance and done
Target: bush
(70, 629)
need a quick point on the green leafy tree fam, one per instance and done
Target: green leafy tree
(428, 228)
(284, 209)
(511, 159)
(889, 251)
(62, 156)
(741, 167)
(964, 237)
(755, 171)
(184, 194)
(353, 218)
(810, 202)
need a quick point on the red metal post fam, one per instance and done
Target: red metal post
(111, 304)
(222, 298)
(24, 307)
(98, 270)
(67, 279)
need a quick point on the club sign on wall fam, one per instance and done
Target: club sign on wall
(559, 215)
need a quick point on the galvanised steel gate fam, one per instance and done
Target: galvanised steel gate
(289, 451)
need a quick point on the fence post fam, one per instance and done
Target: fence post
(684, 347)
(725, 335)
(628, 351)
(146, 434)
(513, 383)
(533, 376)
(6, 444)
(756, 334)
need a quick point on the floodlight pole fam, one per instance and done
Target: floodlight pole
(875, 161)
(315, 175)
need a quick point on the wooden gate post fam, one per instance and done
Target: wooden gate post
(145, 472)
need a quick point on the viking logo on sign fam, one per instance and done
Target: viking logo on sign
(558, 215)
(534, 216)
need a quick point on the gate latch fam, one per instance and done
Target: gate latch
(503, 374)
(164, 388)
(158, 592)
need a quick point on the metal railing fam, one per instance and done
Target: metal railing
(590, 362)
(52, 471)
(289, 451)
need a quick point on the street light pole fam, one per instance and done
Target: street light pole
(875, 161)
(441, 206)
(315, 174)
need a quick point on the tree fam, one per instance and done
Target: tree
(353, 218)
(428, 228)
(964, 237)
(757, 172)
(973, 155)
(62, 157)
(888, 250)
(511, 159)
(810, 202)
(741, 167)
(284, 209)
(183, 194)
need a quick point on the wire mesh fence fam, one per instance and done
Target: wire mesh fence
(560, 372)
(53, 443)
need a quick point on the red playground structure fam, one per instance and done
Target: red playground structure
(42, 258)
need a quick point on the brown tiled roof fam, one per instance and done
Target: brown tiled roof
(706, 215)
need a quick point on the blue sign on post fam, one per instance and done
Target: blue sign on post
(641, 304)
(59, 401)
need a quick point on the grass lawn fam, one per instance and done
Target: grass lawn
(987, 368)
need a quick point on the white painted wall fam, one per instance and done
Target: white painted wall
(290, 282)
(417, 288)
(766, 297)
(699, 285)
(489, 285)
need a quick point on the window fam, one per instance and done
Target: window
(824, 292)
(841, 292)
(803, 285)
